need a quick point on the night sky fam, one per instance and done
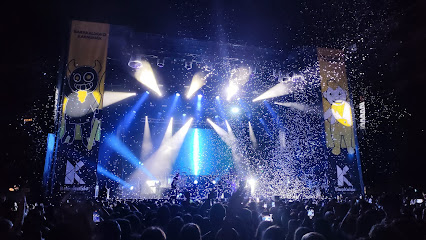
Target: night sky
(387, 39)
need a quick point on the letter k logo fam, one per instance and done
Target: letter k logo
(341, 179)
(71, 173)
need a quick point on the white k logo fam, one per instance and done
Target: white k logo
(70, 173)
(341, 179)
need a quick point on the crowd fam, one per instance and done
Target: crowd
(236, 218)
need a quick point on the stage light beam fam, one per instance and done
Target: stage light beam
(198, 80)
(111, 176)
(295, 83)
(145, 75)
(161, 161)
(110, 97)
(238, 78)
(146, 142)
(169, 132)
(196, 152)
(252, 136)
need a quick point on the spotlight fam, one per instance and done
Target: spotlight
(217, 97)
(235, 110)
(135, 61)
(196, 182)
(214, 181)
(188, 64)
(184, 114)
(131, 188)
(177, 94)
(160, 62)
(147, 92)
(200, 96)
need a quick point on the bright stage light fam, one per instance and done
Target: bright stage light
(198, 80)
(145, 75)
(231, 91)
(161, 161)
(195, 181)
(235, 110)
(217, 97)
(252, 136)
(169, 132)
(131, 188)
(294, 105)
(146, 142)
(184, 114)
(135, 61)
(200, 96)
(214, 181)
(252, 183)
(114, 97)
(239, 77)
(196, 152)
(177, 94)
(283, 88)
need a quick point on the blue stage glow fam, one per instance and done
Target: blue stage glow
(48, 159)
(196, 152)
(266, 127)
(246, 108)
(125, 152)
(128, 118)
(111, 176)
(172, 108)
(274, 114)
(219, 106)
(235, 110)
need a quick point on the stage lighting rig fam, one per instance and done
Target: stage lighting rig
(160, 62)
(135, 61)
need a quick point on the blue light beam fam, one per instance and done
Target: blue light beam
(128, 118)
(196, 152)
(111, 176)
(125, 152)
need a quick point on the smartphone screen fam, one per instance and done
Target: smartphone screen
(96, 217)
(267, 218)
(273, 204)
(311, 213)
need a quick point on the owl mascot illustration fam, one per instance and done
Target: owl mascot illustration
(338, 118)
(80, 109)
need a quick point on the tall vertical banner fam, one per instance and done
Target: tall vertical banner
(80, 125)
(342, 150)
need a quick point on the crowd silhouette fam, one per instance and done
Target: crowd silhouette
(237, 218)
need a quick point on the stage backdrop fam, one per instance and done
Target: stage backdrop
(343, 154)
(81, 103)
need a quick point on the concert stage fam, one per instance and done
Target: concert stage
(151, 106)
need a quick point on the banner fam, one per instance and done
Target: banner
(339, 123)
(80, 125)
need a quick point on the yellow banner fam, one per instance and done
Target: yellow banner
(336, 103)
(84, 86)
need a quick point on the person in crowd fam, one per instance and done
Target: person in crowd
(236, 218)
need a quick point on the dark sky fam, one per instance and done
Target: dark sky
(389, 36)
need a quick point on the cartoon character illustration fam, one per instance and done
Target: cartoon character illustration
(338, 118)
(81, 106)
